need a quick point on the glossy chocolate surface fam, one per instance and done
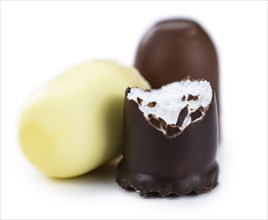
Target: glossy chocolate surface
(155, 165)
(174, 49)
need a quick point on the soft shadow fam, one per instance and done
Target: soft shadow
(103, 175)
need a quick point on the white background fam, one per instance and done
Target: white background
(41, 39)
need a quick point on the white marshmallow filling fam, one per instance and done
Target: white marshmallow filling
(174, 106)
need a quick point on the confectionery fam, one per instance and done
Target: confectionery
(73, 124)
(170, 140)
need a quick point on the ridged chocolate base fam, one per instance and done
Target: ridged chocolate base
(153, 186)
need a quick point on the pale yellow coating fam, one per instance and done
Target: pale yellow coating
(74, 123)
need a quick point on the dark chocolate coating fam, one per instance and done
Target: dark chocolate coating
(174, 49)
(153, 164)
